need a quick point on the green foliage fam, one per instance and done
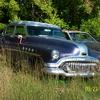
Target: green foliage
(1, 14)
(8, 10)
(74, 11)
(57, 21)
(88, 6)
(66, 14)
(92, 26)
(1, 5)
(13, 10)
(52, 17)
(27, 10)
(2, 25)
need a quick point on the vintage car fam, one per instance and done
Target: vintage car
(60, 56)
(84, 38)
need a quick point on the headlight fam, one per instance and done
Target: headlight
(55, 54)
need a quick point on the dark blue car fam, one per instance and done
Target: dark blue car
(60, 56)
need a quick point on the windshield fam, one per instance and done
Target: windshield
(33, 30)
(82, 36)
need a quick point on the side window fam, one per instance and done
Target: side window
(20, 30)
(46, 31)
(9, 30)
(32, 30)
(58, 33)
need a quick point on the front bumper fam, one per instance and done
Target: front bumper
(76, 66)
(58, 71)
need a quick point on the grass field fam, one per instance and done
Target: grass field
(24, 85)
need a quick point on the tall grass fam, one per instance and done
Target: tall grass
(23, 85)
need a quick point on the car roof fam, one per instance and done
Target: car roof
(34, 23)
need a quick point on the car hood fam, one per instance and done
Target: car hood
(64, 46)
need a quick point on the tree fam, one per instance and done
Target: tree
(51, 13)
(8, 10)
(92, 26)
(64, 13)
(1, 11)
(74, 11)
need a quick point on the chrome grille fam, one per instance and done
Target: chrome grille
(79, 66)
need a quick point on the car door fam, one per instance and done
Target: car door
(8, 39)
(13, 36)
